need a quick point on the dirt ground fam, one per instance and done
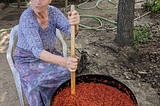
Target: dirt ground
(125, 65)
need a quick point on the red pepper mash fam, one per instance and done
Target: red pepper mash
(93, 94)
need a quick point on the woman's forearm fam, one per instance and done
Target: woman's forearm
(51, 58)
(68, 62)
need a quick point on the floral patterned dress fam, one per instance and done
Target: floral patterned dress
(39, 79)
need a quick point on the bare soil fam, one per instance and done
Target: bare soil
(138, 68)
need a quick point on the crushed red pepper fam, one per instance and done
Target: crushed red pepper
(93, 94)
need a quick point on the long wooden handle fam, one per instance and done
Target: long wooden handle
(73, 80)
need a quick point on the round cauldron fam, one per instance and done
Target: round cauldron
(107, 80)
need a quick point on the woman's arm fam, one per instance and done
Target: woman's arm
(68, 62)
(51, 58)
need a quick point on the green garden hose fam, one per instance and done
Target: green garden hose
(97, 5)
(15, 5)
(5, 30)
(25, 4)
(90, 16)
(98, 18)
(85, 8)
(87, 27)
(95, 17)
(116, 4)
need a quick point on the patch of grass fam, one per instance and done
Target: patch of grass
(142, 34)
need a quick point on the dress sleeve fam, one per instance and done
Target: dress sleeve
(62, 23)
(30, 33)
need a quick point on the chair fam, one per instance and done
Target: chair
(13, 36)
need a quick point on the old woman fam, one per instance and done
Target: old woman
(41, 67)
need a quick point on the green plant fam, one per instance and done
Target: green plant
(156, 6)
(147, 4)
(142, 34)
(152, 5)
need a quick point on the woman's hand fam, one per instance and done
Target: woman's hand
(73, 18)
(71, 63)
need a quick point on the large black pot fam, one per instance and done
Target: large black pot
(107, 80)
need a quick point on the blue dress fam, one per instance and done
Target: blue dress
(39, 79)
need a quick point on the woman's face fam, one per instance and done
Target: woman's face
(39, 5)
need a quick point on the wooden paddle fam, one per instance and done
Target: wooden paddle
(73, 82)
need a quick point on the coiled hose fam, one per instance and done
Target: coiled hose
(90, 16)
